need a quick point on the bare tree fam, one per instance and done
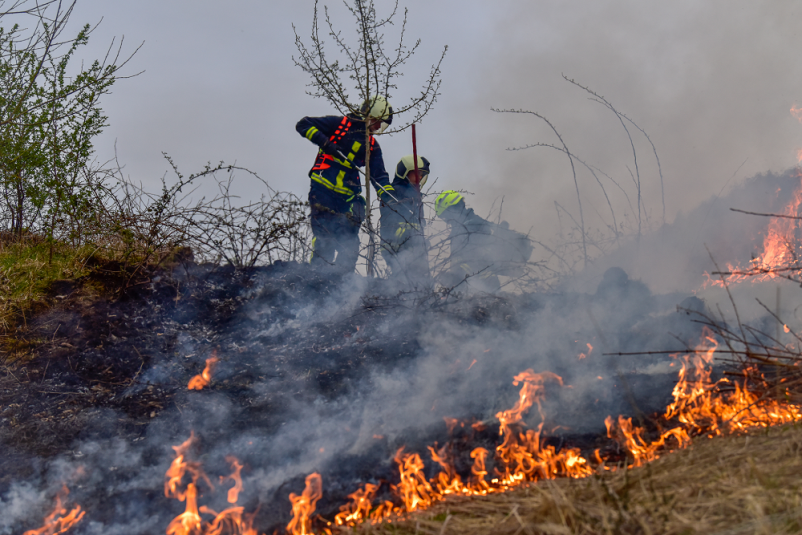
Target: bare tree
(370, 68)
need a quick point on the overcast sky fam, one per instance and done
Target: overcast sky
(710, 82)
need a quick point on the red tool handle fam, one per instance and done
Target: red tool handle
(415, 153)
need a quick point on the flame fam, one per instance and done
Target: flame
(414, 490)
(359, 508)
(180, 467)
(304, 505)
(447, 481)
(233, 492)
(796, 112)
(521, 454)
(59, 520)
(479, 471)
(188, 522)
(780, 246)
(532, 391)
(700, 408)
(231, 521)
(643, 451)
(202, 380)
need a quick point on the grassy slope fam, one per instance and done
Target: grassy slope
(27, 274)
(725, 485)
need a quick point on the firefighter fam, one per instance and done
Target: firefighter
(403, 243)
(480, 250)
(337, 207)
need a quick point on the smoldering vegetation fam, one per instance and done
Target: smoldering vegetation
(328, 376)
(314, 375)
(678, 255)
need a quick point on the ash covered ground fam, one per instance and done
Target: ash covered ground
(315, 375)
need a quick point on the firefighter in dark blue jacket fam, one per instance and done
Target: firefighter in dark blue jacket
(403, 242)
(480, 250)
(335, 197)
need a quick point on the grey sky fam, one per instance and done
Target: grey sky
(710, 82)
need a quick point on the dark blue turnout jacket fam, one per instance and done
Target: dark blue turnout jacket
(335, 181)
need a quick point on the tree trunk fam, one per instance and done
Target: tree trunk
(20, 205)
(368, 219)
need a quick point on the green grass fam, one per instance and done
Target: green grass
(27, 272)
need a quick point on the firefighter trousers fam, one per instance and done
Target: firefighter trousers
(335, 232)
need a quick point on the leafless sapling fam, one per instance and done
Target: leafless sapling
(354, 73)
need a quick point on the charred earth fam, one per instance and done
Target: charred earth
(313, 374)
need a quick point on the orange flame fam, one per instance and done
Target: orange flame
(479, 485)
(523, 457)
(179, 468)
(642, 450)
(413, 489)
(188, 522)
(304, 505)
(532, 391)
(202, 380)
(700, 408)
(233, 492)
(59, 520)
(521, 454)
(796, 112)
(780, 246)
(447, 481)
(230, 521)
(359, 508)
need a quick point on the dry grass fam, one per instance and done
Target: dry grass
(725, 485)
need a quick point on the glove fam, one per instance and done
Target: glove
(357, 210)
(385, 194)
(334, 149)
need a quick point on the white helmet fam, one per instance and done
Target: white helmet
(378, 107)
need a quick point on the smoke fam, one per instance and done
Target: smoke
(333, 376)
(695, 76)
(710, 83)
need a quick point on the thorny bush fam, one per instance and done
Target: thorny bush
(143, 228)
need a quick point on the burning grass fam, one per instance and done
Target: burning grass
(164, 326)
(734, 484)
(701, 407)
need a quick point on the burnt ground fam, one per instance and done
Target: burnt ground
(102, 394)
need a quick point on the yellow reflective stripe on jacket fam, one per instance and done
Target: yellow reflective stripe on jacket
(354, 150)
(384, 189)
(351, 155)
(311, 132)
(338, 187)
(403, 227)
